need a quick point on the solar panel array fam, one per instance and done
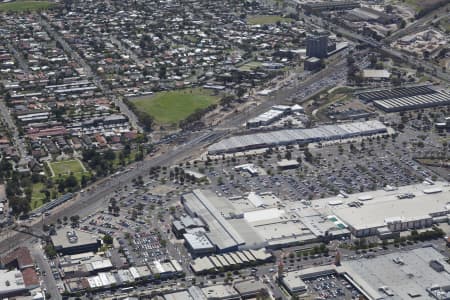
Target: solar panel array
(396, 93)
(414, 102)
(292, 136)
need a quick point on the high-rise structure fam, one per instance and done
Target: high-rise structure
(317, 45)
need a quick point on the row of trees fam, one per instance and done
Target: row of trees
(193, 120)
(145, 119)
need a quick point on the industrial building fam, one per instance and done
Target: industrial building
(73, 241)
(314, 7)
(297, 136)
(414, 102)
(371, 15)
(396, 93)
(384, 212)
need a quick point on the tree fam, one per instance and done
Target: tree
(107, 239)
(71, 181)
(109, 155)
(75, 219)
(50, 251)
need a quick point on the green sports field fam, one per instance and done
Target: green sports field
(21, 6)
(174, 106)
(65, 167)
(266, 19)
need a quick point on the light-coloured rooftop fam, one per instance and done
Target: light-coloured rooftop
(220, 291)
(413, 277)
(385, 205)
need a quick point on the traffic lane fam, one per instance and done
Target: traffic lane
(46, 272)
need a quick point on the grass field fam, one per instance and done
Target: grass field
(266, 19)
(20, 6)
(64, 168)
(174, 106)
(37, 197)
(250, 66)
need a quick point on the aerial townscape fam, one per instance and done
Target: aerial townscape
(239, 149)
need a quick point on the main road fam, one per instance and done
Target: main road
(100, 193)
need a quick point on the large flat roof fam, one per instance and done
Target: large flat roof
(403, 280)
(11, 281)
(293, 281)
(380, 206)
(220, 232)
(220, 291)
(82, 238)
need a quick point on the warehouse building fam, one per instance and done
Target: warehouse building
(313, 7)
(297, 136)
(395, 93)
(414, 102)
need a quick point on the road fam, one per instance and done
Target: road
(16, 138)
(421, 24)
(42, 263)
(299, 90)
(99, 194)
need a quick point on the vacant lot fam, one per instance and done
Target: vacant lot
(64, 168)
(266, 19)
(20, 6)
(174, 106)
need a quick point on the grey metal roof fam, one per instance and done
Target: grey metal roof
(290, 136)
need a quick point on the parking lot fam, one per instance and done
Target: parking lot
(331, 287)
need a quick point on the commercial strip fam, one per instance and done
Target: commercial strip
(297, 136)
(229, 261)
(239, 290)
